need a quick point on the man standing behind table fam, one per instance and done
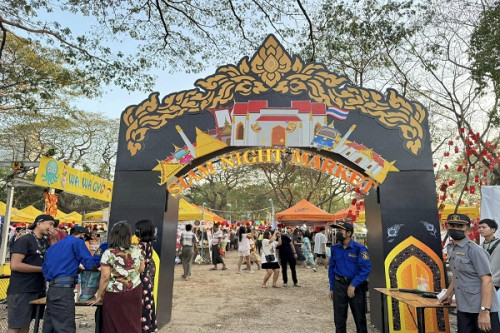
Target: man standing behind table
(348, 273)
(61, 271)
(320, 248)
(472, 283)
(26, 280)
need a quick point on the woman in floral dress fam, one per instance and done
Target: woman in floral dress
(120, 287)
(145, 230)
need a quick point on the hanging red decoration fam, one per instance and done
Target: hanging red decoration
(456, 149)
(472, 190)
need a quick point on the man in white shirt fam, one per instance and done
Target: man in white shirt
(320, 248)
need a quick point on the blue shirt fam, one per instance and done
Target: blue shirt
(352, 262)
(64, 257)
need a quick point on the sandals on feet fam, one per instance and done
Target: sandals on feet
(224, 268)
(213, 269)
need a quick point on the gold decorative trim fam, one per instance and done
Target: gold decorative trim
(272, 69)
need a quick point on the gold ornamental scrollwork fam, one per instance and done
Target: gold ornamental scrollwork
(272, 69)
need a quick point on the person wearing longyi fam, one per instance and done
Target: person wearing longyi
(61, 271)
(472, 284)
(348, 273)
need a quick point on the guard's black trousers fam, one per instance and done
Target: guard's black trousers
(467, 322)
(357, 304)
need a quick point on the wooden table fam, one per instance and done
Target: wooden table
(40, 305)
(417, 301)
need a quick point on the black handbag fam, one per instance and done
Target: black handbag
(270, 257)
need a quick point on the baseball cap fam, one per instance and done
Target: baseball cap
(41, 218)
(344, 225)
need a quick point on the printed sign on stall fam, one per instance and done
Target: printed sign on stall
(55, 174)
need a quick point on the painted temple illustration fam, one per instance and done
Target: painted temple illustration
(256, 124)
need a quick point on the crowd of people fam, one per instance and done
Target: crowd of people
(282, 249)
(47, 263)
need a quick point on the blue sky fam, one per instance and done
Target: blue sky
(115, 99)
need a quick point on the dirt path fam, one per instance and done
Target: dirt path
(223, 301)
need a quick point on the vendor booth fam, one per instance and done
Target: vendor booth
(304, 212)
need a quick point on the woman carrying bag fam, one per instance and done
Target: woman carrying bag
(270, 257)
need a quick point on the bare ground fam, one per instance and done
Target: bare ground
(223, 301)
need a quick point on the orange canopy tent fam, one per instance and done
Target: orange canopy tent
(304, 212)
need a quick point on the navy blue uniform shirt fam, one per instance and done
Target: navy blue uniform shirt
(352, 262)
(64, 257)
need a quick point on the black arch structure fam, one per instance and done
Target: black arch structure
(386, 123)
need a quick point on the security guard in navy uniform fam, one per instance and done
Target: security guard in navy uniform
(348, 272)
(60, 269)
(472, 284)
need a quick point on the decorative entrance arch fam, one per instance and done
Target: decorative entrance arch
(377, 142)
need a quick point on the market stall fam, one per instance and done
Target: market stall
(304, 212)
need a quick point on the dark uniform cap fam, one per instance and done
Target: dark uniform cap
(78, 229)
(458, 219)
(41, 218)
(344, 225)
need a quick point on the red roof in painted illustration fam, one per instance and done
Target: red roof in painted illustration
(251, 106)
(256, 106)
(308, 106)
(302, 106)
(278, 118)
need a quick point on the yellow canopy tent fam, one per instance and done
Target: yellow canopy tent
(447, 209)
(73, 217)
(16, 215)
(209, 216)
(30, 210)
(189, 211)
(98, 215)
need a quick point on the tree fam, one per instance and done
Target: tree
(484, 50)
(174, 35)
(82, 140)
(37, 79)
(437, 71)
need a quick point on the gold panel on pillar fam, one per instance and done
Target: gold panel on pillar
(405, 264)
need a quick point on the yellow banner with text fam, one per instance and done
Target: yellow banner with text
(55, 174)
